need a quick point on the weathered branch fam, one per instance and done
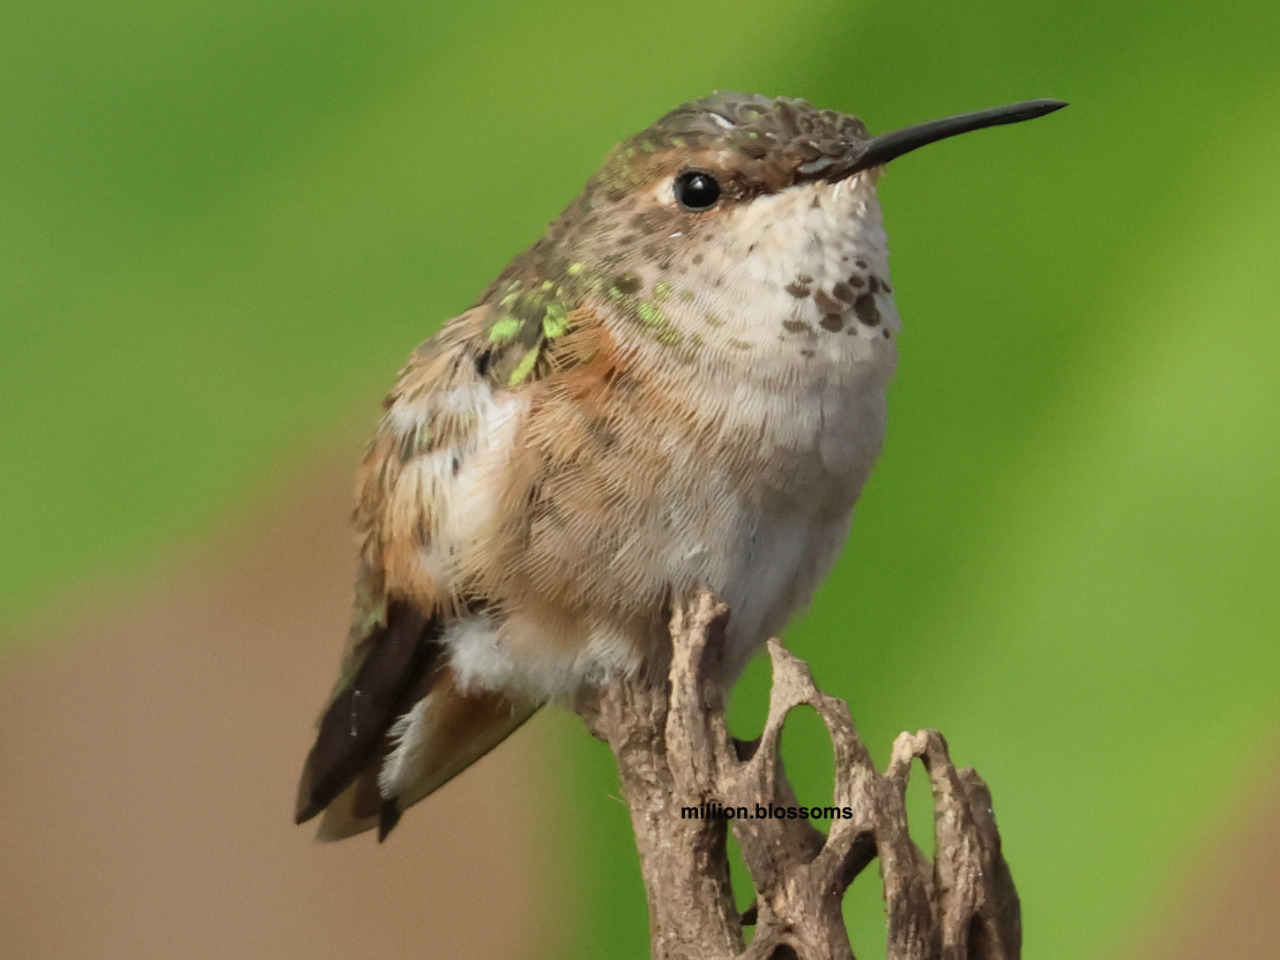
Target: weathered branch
(675, 754)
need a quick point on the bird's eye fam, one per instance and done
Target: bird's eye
(697, 190)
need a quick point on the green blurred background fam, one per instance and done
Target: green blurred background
(223, 226)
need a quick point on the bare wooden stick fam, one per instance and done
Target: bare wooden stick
(679, 768)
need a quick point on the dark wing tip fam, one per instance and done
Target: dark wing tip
(388, 817)
(306, 806)
(358, 717)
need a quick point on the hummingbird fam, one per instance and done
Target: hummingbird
(681, 385)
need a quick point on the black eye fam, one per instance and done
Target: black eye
(697, 190)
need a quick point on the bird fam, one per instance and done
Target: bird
(681, 385)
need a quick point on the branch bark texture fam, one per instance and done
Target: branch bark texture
(675, 753)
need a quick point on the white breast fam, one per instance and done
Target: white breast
(807, 405)
(765, 551)
(795, 413)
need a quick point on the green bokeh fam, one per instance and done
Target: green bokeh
(223, 226)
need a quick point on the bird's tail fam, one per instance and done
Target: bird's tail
(397, 730)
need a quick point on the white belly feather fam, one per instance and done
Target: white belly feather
(797, 403)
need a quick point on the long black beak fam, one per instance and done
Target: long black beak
(880, 150)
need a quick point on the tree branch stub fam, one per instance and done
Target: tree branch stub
(675, 753)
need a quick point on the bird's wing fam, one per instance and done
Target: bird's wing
(396, 703)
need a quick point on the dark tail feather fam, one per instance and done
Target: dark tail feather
(397, 657)
(441, 732)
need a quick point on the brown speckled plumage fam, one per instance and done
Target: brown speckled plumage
(654, 396)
